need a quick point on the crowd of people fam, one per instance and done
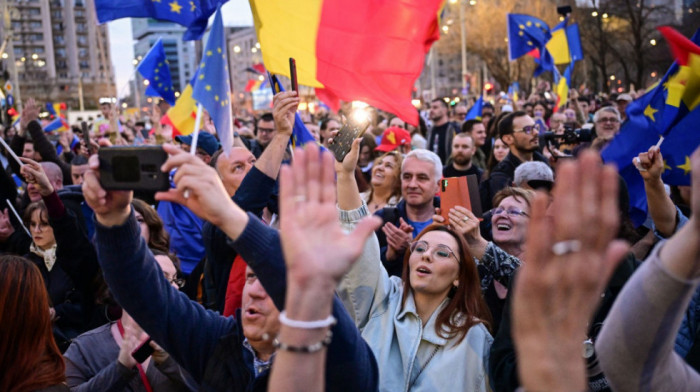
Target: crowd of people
(267, 268)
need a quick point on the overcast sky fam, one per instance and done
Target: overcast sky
(236, 13)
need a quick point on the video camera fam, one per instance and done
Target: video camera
(570, 136)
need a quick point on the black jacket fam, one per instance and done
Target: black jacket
(502, 176)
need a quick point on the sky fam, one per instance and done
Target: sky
(235, 12)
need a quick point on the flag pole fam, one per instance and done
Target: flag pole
(195, 132)
(17, 216)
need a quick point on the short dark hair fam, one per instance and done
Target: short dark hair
(267, 116)
(505, 126)
(78, 160)
(442, 101)
(469, 125)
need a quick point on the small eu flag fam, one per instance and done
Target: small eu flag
(154, 67)
(525, 34)
(211, 84)
(193, 14)
(662, 111)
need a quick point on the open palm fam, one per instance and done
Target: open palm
(314, 244)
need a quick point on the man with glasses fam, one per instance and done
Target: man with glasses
(521, 134)
(607, 122)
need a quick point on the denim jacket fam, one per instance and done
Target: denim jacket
(410, 356)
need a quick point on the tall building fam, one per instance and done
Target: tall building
(181, 55)
(243, 52)
(59, 51)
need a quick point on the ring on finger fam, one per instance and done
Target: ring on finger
(562, 248)
(186, 194)
(465, 218)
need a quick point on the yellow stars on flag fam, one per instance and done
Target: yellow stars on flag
(209, 53)
(529, 24)
(156, 1)
(520, 33)
(666, 166)
(529, 43)
(155, 78)
(686, 166)
(521, 27)
(218, 50)
(207, 87)
(649, 112)
(193, 7)
(216, 98)
(201, 76)
(175, 7)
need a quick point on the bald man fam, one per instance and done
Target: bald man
(55, 175)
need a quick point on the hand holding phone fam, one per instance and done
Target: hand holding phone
(143, 351)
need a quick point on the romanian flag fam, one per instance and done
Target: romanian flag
(55, 109)
(58, 125)
(182, 116)
(367, 50)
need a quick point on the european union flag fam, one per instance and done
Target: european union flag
(300, 134)
(193, 14)
(212, 87)
(525, 34)
(154, 67)
(659, 112)
(474, 112)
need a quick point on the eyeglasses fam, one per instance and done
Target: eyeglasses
(509, 211)
(440, 252)
(608, 119)
(528, 129)
(180, 283)
(266, 130)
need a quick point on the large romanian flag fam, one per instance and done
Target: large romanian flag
(367, 50)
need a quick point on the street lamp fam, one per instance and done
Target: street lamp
(146, 82)
(445, 29)
(605, 15)
(594, 14)
(653, 42)
(236, 49)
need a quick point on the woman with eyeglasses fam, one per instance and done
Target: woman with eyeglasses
(431, 320)
(500, 258)
(102, 360)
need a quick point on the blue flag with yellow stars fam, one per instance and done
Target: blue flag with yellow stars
(211, 85)
(300, 134)
(474, 112)
(154, 68)
(525, 34)
(661, 112)
(193, 14)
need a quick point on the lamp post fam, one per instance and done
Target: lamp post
(463, 36)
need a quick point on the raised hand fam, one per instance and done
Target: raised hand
(315, 246)
(34, 173)
(650, 164)
(570, 256)
(283, 110)
(349, 163)
(30, 112)
(110, 207)
(198, 187)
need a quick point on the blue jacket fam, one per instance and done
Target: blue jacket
(203, 342)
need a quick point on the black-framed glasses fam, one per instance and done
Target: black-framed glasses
(180, 283)
(608, 119)
(528, 129)
(508, 211)
(440, 252)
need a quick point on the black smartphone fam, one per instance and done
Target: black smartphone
(133, 168)
(342, 142)
(293, 73)
(86, 134)
(143, 351)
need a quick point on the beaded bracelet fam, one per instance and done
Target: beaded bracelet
(312, 348)
(316, 324)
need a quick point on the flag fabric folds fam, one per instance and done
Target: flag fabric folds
(563, 83)
(558, 45)
(212, 87)
(182, 116)
(474, 112)
(193, 14)
(367, 50)
(526, 33)
(154, 68)
(58, 125)
(300, 134)
(662, 111)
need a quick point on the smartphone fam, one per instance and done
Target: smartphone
(133, 168)
(143, 351)
(342, 142)
(293, 73)
(86, 134)
(460, 191)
